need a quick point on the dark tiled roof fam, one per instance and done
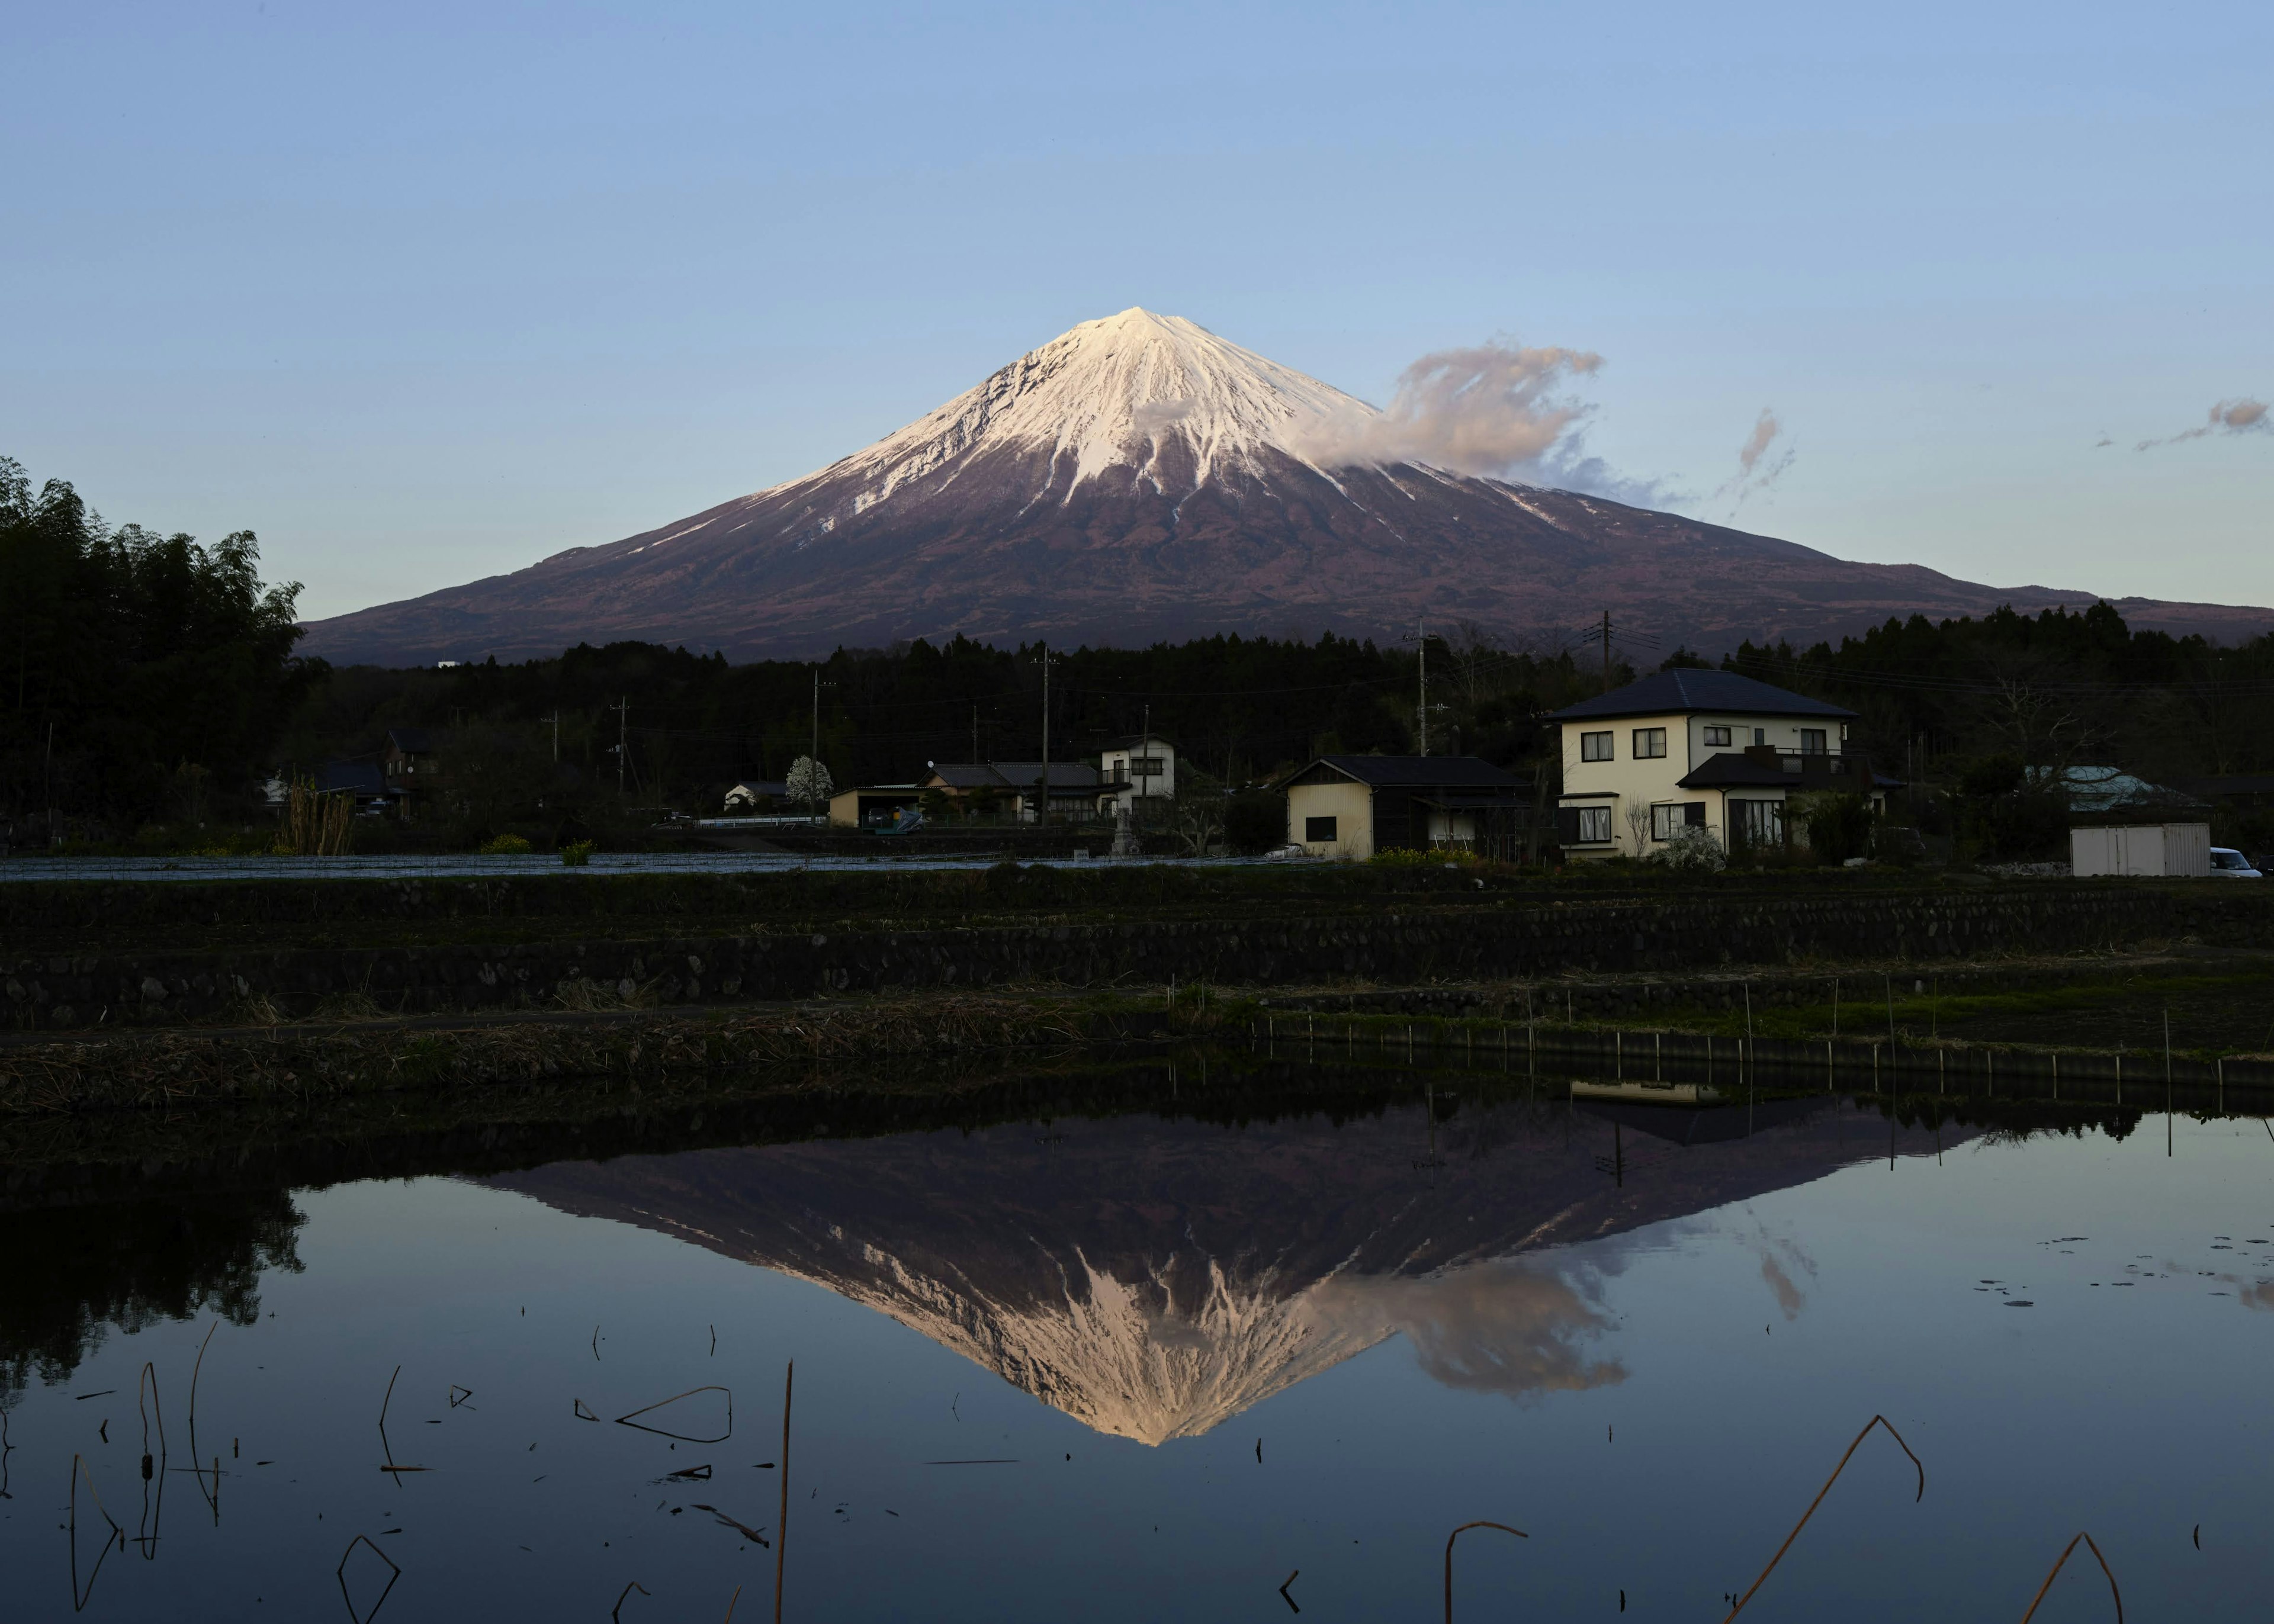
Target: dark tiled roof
(1013, 775)
(1412, 771)
(1732, 770)
(1064, 775)
(1474, 800)
(1158, 742)
(1667, 692)
(415, 740)
(363, 776)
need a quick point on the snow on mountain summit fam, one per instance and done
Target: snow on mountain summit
(1116, 392)
(1138, 479)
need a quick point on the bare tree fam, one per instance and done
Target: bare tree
(1195, 815)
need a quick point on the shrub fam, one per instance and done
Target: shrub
(576, 854)
(1695, 850)
(1839, 825)
(1432, 857)
(506, 845)
(1255, 821)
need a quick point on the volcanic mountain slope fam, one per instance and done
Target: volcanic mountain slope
(1138, 477)
(1153, 1279)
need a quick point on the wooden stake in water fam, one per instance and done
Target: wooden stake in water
(1747, 1060)
(2167, 1079)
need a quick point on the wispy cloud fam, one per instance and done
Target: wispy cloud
(1516, 1326)
(1501, 410)
(1761, 462)
(2240, 415)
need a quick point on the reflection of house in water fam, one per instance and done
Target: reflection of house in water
(1155, 1278)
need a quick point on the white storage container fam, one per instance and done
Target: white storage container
(2155, 850)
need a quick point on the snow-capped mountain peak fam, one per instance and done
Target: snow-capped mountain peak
(1138, 479)
(1113, 393)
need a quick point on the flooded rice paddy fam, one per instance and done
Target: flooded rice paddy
(1147, 1365)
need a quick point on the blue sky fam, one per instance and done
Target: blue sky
(423, 293)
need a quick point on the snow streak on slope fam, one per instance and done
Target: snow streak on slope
(1111, 393)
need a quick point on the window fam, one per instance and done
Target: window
(1759, 823)
(1811, 742)
(1716, 734)
(1595, 746)
(1669, 819)
(1760, 735)
(1649, 743)
(1318, 829)
(1148, 767)
(1595, 823)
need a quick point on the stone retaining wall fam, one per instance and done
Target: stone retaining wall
(1505, 940)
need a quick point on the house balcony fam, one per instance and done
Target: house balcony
(1764, 766)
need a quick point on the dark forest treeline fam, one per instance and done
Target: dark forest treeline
(2054, 689)
(1238, 707)
(1986, 716)
(145, 676)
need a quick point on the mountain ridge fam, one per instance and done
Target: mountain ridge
(1139, 479)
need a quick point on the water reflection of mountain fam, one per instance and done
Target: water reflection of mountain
(1154, 1278)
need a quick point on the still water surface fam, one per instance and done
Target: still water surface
(1193, 1358)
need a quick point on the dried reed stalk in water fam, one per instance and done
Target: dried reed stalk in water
(341, 1573)
(628, 1420)
(2064, 1557)
(781, 1525)
(213, 1500)
(1456, 1534)
(1819, 1501)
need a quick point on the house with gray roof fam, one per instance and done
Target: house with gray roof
(1354, 806)
(1687, 749)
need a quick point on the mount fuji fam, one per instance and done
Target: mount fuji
(1140, 479)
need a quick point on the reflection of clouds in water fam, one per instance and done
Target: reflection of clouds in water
(2252, 1293)
(1788, 1296)
(1784, 1265)
(1512, 1326)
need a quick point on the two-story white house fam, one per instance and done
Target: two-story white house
(1688, 748)
(1133, 769)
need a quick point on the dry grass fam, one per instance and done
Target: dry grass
(297, 1063)
(356, 1004)
(584, 996)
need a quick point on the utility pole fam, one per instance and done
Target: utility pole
(1145, 754)
(1606, 650)
(975, 735)
(556, 738)
(623, 739)
(1421, 645)
(1042, 813)
(813, 759)
(1421, 640)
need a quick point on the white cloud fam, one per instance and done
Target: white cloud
(1499, 411)
(1760, 464)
